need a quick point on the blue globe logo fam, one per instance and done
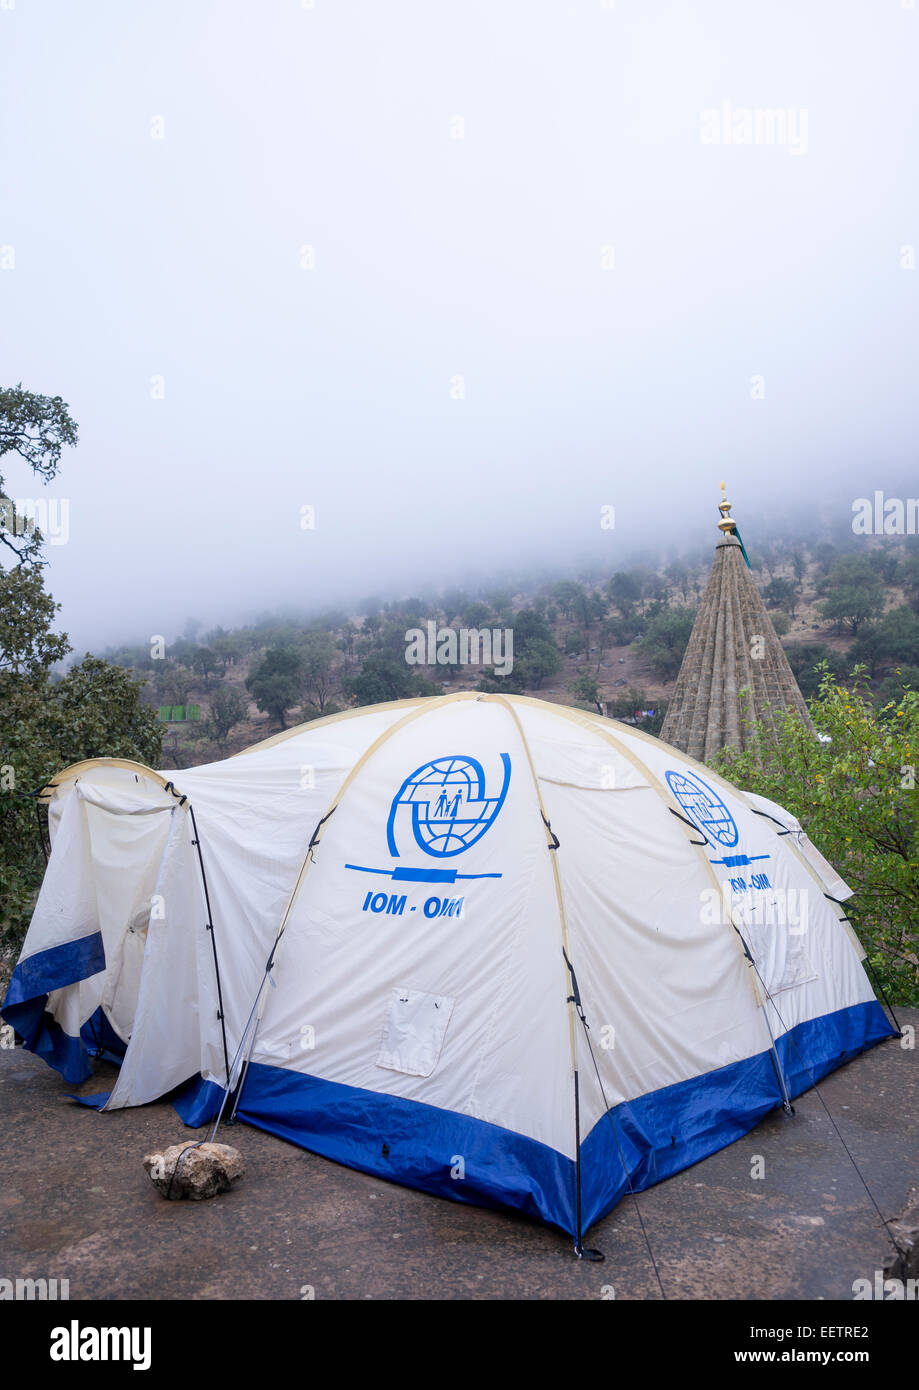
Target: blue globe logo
(704, 806)
(447, 804)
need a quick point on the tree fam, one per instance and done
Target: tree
(94, 711)
(856, 796)
(501, 603)
(628, 705)
(621, 632)
(894, 641)
(228, 708)
(35, 429)
(898, 637)
(665, 640)
(317, 657)
(597, 608)
(454, 602)
(855, 594)
(536, 653)
(851, 605)
(102, 715)
(782, 593)
(624, 592)
(825, 555)
(536, 656)
(885, 564)
(892, 688)
(346, 642)
(276, 682)
(910, 579)
(183, 651)
(653, 587)
(805, 659)
(381, 679)
(205, 661)
(173, 684)
(28, 647)
(530, 626)
(624, 705)
(228, 648)
(585, 688)
(476, 615)
(571, 599)
(767, 556)
(512, 683)
(541, 659)
(679, 577)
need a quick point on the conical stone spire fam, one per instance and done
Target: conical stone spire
(735, 671)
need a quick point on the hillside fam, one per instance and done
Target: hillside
(612, 641)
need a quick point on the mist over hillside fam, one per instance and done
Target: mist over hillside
(647, 533)
(610, 641)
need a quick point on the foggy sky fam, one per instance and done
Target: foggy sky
(332, 127)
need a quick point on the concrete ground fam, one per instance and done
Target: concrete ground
(76, 1203)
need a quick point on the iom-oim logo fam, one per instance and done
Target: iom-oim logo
(447, 805)
(704, 807)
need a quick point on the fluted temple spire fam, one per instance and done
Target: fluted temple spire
(735, 672)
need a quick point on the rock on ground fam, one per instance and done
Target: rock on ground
(194, 1170)
(905, 1231)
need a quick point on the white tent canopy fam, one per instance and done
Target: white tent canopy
(486, 946)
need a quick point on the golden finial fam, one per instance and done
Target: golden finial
(727, 524)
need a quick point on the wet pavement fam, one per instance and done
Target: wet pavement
(75, 1203)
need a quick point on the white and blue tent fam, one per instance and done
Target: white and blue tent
(488, 947)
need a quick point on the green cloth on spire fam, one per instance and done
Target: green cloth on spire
(743, 550)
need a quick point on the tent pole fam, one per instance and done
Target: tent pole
(578, 1237)
(595, 1254)
(592, 1256)
(573, 999)
(238, 1054)
(245, 1072)
(196, 841)
(783, 1087)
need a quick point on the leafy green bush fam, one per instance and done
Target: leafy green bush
(857, 796)
(806, 660)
